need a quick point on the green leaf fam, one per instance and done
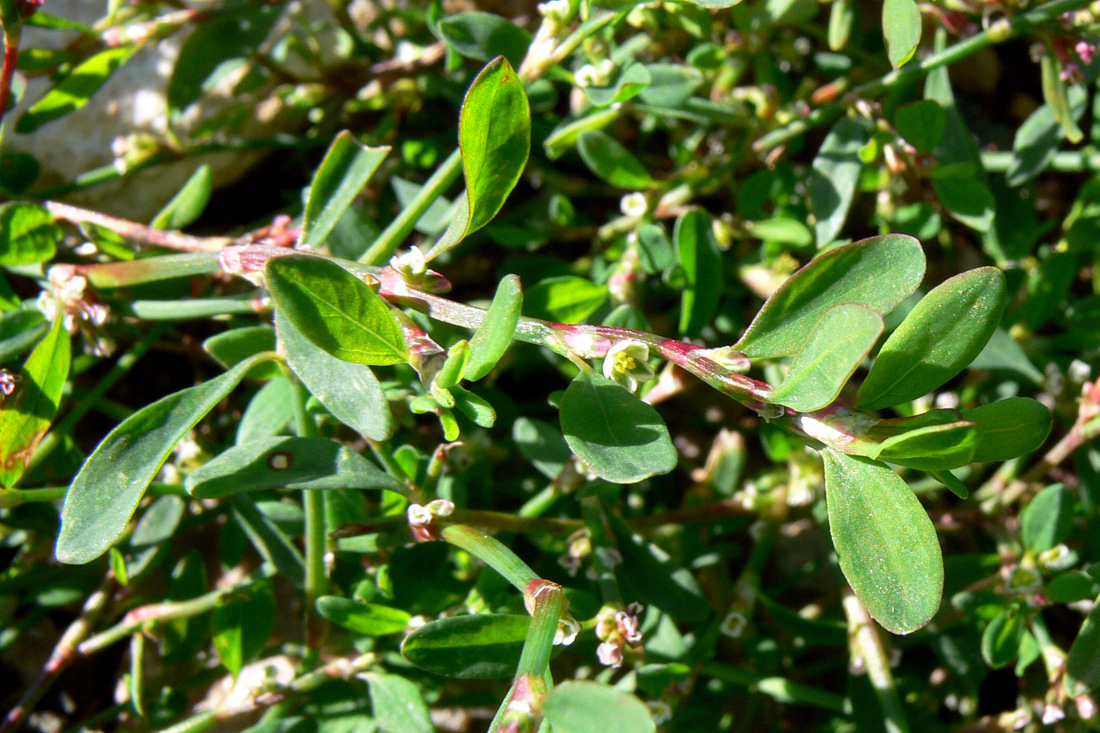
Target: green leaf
(74, 91)
(670, 85)
(1037, 140)
(564, 299)
(19, 331)
(878, 273)
(269, 540)
(835, 175)
(269, 412)
(1004, 352)
(159, 522)
(188, 203)
(25, 418)
(492, 338)
(702, 267)
(628, 82)
(841, 16)
(232, 347)
(1083, 663)
(1009, 428)
(474, 407)
(484, 36)
(937, 340)
(343, 173)
(105, 492)
(241, 625)
(619, 437)
(836, 347)
(921, 123)
(611, 162)
(885, 541)
(226, 36)
(1001, 638)
(335, 310)
(1056, 97)
(968, 199)
(566, 134)
(369, 619)
(397, 706)
(28, 234)
(1048, 518)
(1071, 587)
(468, 647)
(542, 444)
(349, 391)
(655, 249)
(283, 462)
(901, 27)
(931, 448)
(654, 578)
(591, 707)
(494, 135)
(782, 230)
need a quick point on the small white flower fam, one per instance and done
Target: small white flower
(411, 264)
(586, 76)
(733, 625)
(567, 631)
(7, 382)
(660, 710)
(634, 204)
(610, 654)
(556, 9)
(1079, 371)
(1086, 707)
(627, 363)
(441, 508)
(419, 515)
(1052, 714)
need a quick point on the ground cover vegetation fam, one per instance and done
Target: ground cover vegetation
(579, 366)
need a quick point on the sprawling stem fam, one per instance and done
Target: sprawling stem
(998, 32)
(64, 653)
(866, 643)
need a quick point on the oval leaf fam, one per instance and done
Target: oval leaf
(335, 310)
(26, 417)
(1083, 663)
(878, 273)
(611, 162)
(884, 540)
(105, 492)
(287, 463)
(397, 706)
(469, 647)
(937, 340)
(837, 346)
(836, 170)
(1009, 428)
(921, 123)
(28, 234)
(188, 203)
(931, 448)
(369, 619)
(494, 135)
(1001, 638)
(1048, 517)
(349, 391)
(74, 91)
(564, 299)
(590, 707)
(901, 27)
(619, 437)
(494, 335)
(347, 167)
(702, 270)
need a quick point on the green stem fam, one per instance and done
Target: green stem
(492, 552)
(313, 502)
(67, 649)
(336, 669)
(779, 689)
(998, 32)
(867, 645)
(392, 236)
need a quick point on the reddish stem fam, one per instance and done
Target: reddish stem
(11, 56)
